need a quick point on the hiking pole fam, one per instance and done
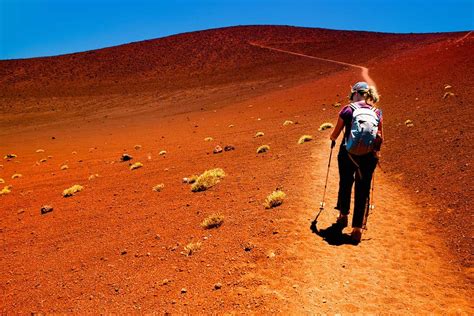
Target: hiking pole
(321, 204)
(370, 203)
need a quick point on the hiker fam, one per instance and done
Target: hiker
(358, 154)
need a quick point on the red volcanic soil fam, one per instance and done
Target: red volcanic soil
(117, 245)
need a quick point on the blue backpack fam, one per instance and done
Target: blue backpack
(364, 127)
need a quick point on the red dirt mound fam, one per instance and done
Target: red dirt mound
(116, 245)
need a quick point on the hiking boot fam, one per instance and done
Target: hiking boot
(342, 221)
(356, 235)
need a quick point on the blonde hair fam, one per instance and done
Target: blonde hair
(372, 95)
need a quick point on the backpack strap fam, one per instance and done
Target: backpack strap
(354, 106)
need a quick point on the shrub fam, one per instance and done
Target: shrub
(17, 175)
(158, 187)
(208, 139)
(64, 167)
(305, 138)
(286, 123)
(337, 104)
(191, 248)
(448, 94)
(7, 189)
(93, 176)
(325, 126)
(259, 134)
(213, 221)
(208, 179)
(136, 166)
(274, 199)
(9, 156)
(263, 149)
(72, 190)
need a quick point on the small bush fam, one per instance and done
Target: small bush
(448, 94)
(136, 166)
(337, 104)
(93, 176)
(274, 199)
(191, 248)
(325, 126)
(158, 187)
(72, 190)
(208, 179)
(305, 138)
(17, 175)
(64, 167)
(259, 134)
(208, 139)
(213, 221)
(7, 189)
(263, 149)
(163, 152)
(9, 156)
(286, 123)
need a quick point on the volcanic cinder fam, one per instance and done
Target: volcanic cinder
(117, 245)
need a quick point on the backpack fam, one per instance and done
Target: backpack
(363, 132)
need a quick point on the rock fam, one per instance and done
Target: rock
(217, 149)
(229, 148)
(217, 286)
(126, 157)
(183, 290)
(46, 209)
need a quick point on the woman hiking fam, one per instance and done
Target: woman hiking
(358, 154)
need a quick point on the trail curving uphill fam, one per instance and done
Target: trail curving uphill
(464, 37)
(364, 70)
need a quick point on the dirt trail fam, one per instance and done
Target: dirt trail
(401, 265)
(464, 37)
(364, 70)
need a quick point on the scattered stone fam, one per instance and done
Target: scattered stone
(126, 157)
(409, 123)
(163, 152)
(446, 87)
(165, 282)
(136, 166)
(40, 150)
(9, 156)
(337, 104)
(20, 211)
(17, 175)
(448, 94)
(137, 147)
(183, 290)
(217, 149)
(46, 209)
(217, 286)
(158, 187)
(123, 252)
(229, 148)
(6, 190)
(64, 167)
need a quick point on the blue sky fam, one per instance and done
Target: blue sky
(31, 28)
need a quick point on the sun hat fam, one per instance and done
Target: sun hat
(360, 86)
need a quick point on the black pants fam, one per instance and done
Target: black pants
(348, 172)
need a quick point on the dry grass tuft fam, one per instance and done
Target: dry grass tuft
(64, 167)
(2, 181)
(337, 104)
(163, 152)
(213, 221)
(191, 248)
(40, 150)
(17, 175)
(9, 156)
(325, 126)
(274, 199)
(208, 139)
(7, 189)
(409, 123)
(259, 134)
(158, 187)
(231, 125)
(263, 149)
(93, 176)
(136, 166)
(72, 190)
(305, 138)
(208, 179)
(137, 147)
(286, 123)
(446, 87)
(448, 94)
